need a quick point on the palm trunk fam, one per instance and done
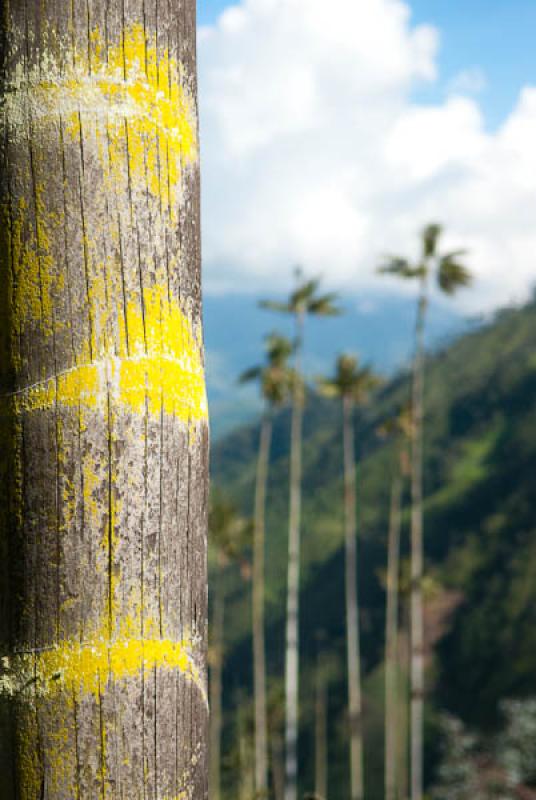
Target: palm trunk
(102, 403)
(321, 740)
(391, 644)
(293, 583)
(403, 708)
(246, 767)
(278, 765)
(259, 659)
(352, 618)
(216, 692)
(417, 560)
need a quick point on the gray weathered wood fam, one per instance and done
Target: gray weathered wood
(102, 408)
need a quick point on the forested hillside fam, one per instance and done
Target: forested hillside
(480, 535)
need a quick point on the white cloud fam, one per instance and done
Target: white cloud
(315, 152)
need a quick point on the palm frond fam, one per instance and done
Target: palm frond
(452, 275)
(251, 374)
(365, 382)
(303, 295)
(277, 385)
(400, 424)
(325, 306)
(401, 267)
(278, 348)
(349, 380)
(275, 305)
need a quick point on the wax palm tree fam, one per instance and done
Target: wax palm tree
(304, 301)
(229, 537)
(450, 275)
(352, 384)
(275, 378)
(399, 428)
(103, 414)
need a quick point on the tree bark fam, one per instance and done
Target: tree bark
(259, 658)
(417, 558)
(293, 582)
(216, 692)
(391, 643)
(102, 409)
(352, 617)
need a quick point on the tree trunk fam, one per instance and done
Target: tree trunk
(246, 768)
(321, 732)
(102, 409)
(259, 659)
(352, 617)
(403, 709)
(216, 694)
(417, 560)
(391, 644)
(293, 584)
(278, 767)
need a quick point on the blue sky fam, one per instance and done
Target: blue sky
(496, 36)
(313, 153)
(333, 131)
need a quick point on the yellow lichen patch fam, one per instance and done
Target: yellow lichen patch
(86, 668)
(28, 755)
(138, 95)
(181, 796)
(32, 263)
(163, 370)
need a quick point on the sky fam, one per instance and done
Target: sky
(332, 132)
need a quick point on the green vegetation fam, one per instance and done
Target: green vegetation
(480, 534)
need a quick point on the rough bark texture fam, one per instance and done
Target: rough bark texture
(102, 408)
(391, 643)
(293, 583)
(417, 560)
(352, 617)
(259, 658)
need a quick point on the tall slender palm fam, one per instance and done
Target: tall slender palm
(450, 275)
(399, 427)
(303, 301)
(275, 379)
(352, 384)
(229, 535)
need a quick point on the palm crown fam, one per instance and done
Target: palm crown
(450, 273)
(399, 425)
(275, 376)
(305, 300)
(350, 380)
